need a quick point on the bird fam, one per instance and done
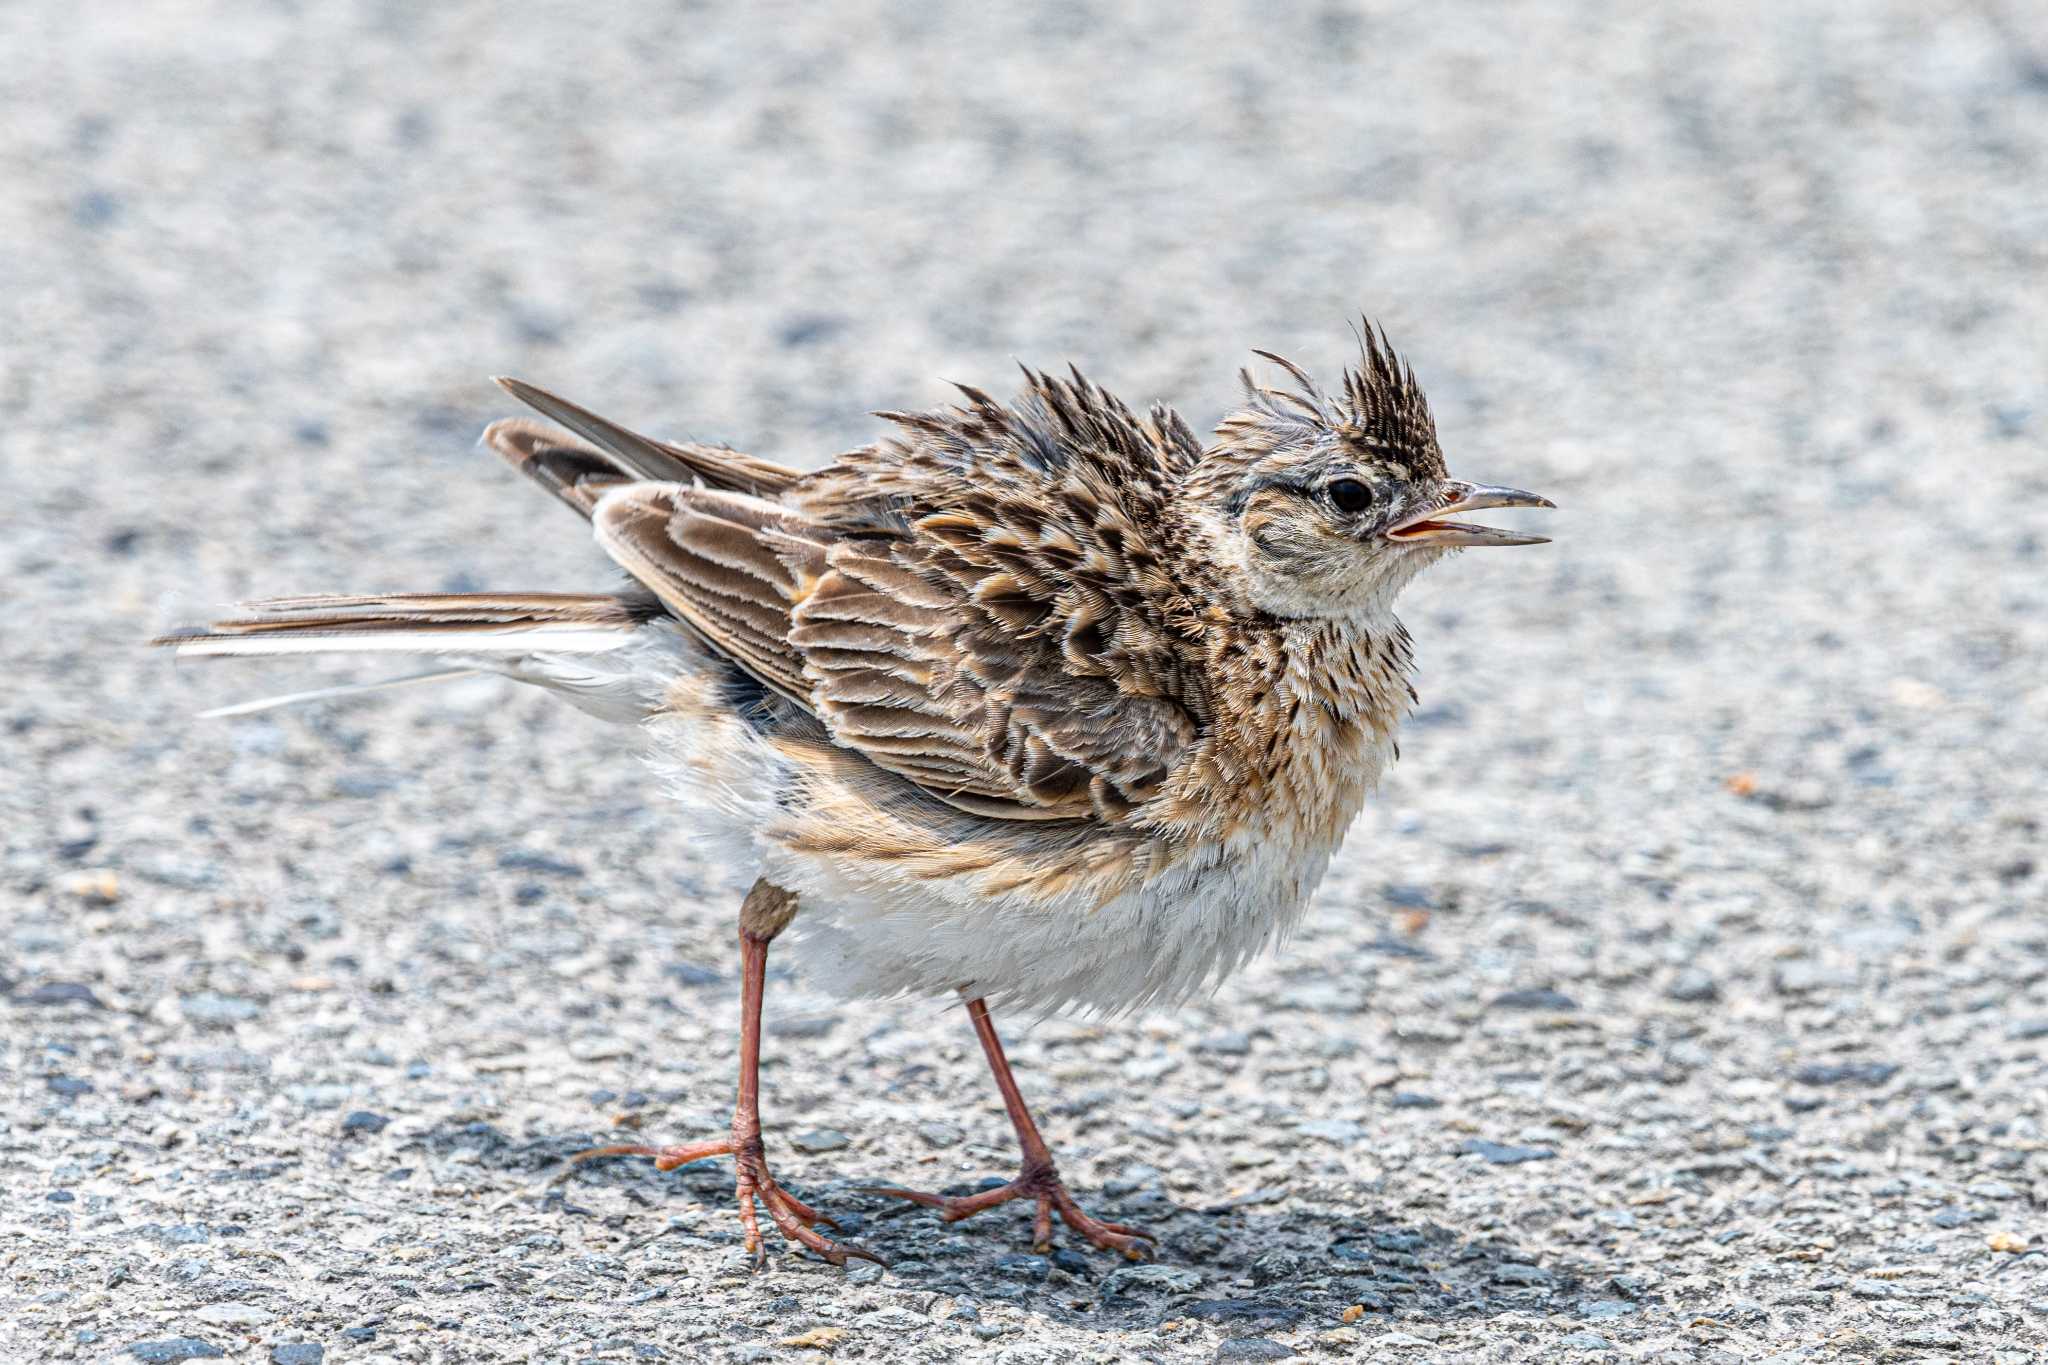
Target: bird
(1043, 703)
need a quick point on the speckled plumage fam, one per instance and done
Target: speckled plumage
(1043, 702)
(1043, 699)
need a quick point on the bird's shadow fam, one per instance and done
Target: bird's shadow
(1246, 1271)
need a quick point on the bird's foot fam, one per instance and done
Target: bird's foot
(752, 1180)
(1041, 1184)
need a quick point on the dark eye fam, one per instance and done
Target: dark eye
(1349, 496)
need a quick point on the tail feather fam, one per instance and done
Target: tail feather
(551, 639)
(248, 708)
(539, 638)
(423, 623)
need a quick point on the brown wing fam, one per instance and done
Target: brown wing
(926, 672)
(981, 606)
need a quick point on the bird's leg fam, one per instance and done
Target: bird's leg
(767, 911)
(1039, 1181)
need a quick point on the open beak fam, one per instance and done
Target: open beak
(1426, 526)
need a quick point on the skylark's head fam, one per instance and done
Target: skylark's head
(1327, 506)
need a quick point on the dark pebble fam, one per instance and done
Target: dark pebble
(360, 1333)
(690, 974)
(1637, 1287)
(1438, 713)
(1503, 1154)
(1846, 1073)
(1541, 998)
(1253, 1348)
(1262, 1313)
(97, 208)
(1021, 1267)
(362, 786)
(63, 993)
(1693, 986)
(1074, 1263)
(527, 861)
(68, 1086)
(1274, 1266)
(174, 1349)
(363, 1121)
(1415, 1099)
(809, 328)
(60, 1196)
(1396, 947)
(298, 1353)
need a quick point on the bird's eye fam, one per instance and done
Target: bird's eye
(1349, 496)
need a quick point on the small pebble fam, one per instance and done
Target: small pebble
(1252, 1348)
(820, 1140)
(363, 1121)
(1503, 1154)
(173, 1349)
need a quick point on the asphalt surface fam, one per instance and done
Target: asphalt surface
(1683, 997)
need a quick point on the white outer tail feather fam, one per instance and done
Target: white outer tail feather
(515, 640)
(539, 638)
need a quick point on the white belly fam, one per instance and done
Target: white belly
(867, 927)
(1173, 938)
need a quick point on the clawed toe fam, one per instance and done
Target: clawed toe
(752, 1183)
(665, 1158)
(1044, 1189)
(794, 1219)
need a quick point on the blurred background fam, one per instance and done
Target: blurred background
(1734, 793)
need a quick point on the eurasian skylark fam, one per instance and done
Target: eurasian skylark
(1042, 702)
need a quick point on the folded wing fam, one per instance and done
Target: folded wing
(979, 605)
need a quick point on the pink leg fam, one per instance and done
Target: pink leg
(1039, 1181)
(752, 1179)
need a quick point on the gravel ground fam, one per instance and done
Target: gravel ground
(1684, 996)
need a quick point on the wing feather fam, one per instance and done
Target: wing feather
(976, 605)
(703, 555)
(643, 457)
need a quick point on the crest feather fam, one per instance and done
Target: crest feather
(1380, 408)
